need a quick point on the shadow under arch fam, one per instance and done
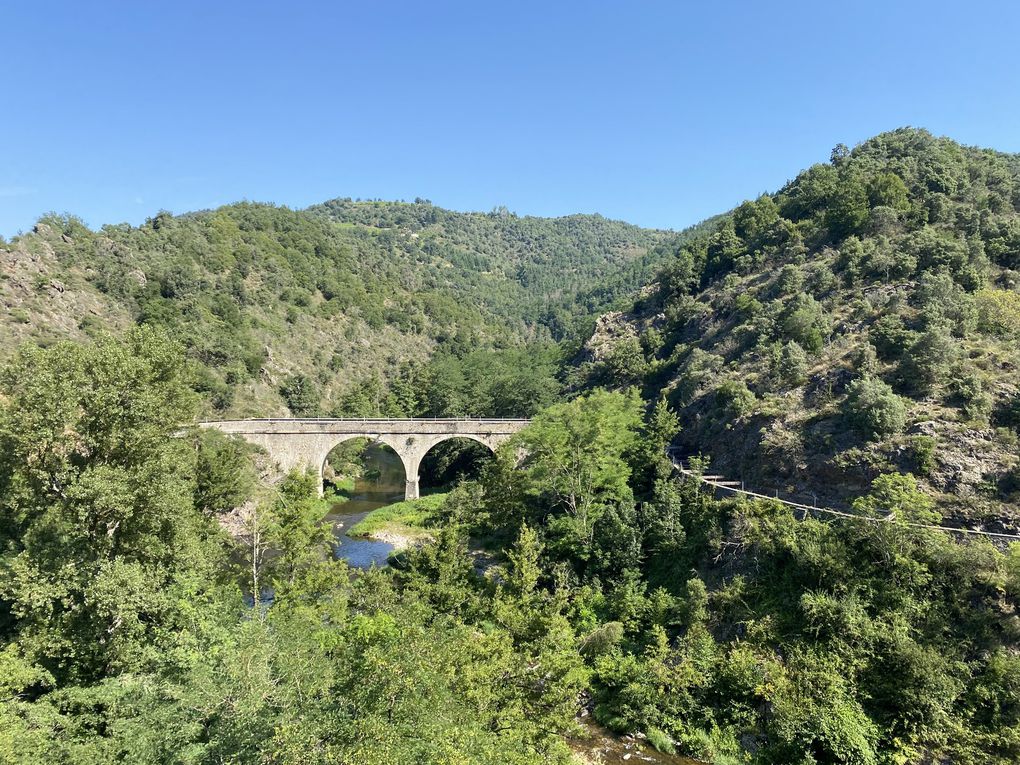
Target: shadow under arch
(453, 459)
(410, 448)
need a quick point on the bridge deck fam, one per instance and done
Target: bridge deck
(409, 426)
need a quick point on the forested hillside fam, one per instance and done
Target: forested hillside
(853, 335)
(864, 319)
(313, 310)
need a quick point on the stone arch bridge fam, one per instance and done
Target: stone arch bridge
(305, 443)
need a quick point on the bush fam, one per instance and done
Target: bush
(930, 360)
(873, 409)
(793, 363)
(891, 337)
(301, 395)
(999, 312)
(790, 280)
(806, 324)
(735, 397)
(968, 390)
(1007, 412)
(923, 448)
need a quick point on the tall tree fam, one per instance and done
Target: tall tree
(97, 521)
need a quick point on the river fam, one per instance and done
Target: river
(381, 484)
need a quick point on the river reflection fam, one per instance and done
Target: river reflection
(381, 484)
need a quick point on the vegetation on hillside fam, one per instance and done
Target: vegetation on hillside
(861, 320)
(731, 631)
(856, 327)
(311, 311)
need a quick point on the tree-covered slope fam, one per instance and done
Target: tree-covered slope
(863, 319)
(517, 267)
(309, 309)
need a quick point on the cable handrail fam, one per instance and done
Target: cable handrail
(678, 464)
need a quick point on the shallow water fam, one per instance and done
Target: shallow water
(381, 485)
(606, 748)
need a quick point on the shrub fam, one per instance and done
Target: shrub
(923, 448)
(999, 312)
(927, 365)
(943, 301)
(301, 395)
(625, 363)
(806, 324)
(873, 409)
(1007, 412)
(968, 390)
(790, 280)
(735, 397)
(890, 336)
(793, 364)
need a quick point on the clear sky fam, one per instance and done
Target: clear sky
(659, 113)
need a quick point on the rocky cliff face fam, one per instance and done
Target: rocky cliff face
(44, 300)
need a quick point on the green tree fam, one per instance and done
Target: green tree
(925, 369)
(793, 364)
(735, 398)
(575, 457)
(889, 190)
(297, 531)
(897, 496)
(99, 531)
(224, 472)
(874, 409)
(301, 395)
(625, 363)
(805, 323)
(848, 208)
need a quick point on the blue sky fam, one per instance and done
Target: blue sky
(659, 113)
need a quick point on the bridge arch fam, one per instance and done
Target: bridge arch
(306, 443)
(453, 456)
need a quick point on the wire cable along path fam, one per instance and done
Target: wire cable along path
(736, 487)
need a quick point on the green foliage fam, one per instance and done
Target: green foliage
(923, 453)
(576, 463)
(848, 206)
(874, 409)
(300, 395)
(889, 190)
(297, 535)
(897, 496)
(501, 383)
(793, 365)
(805, 324)
(734, 398)
(224, 475)
(999, 312)
(925, 369)
(625, 365)
(99, 534)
